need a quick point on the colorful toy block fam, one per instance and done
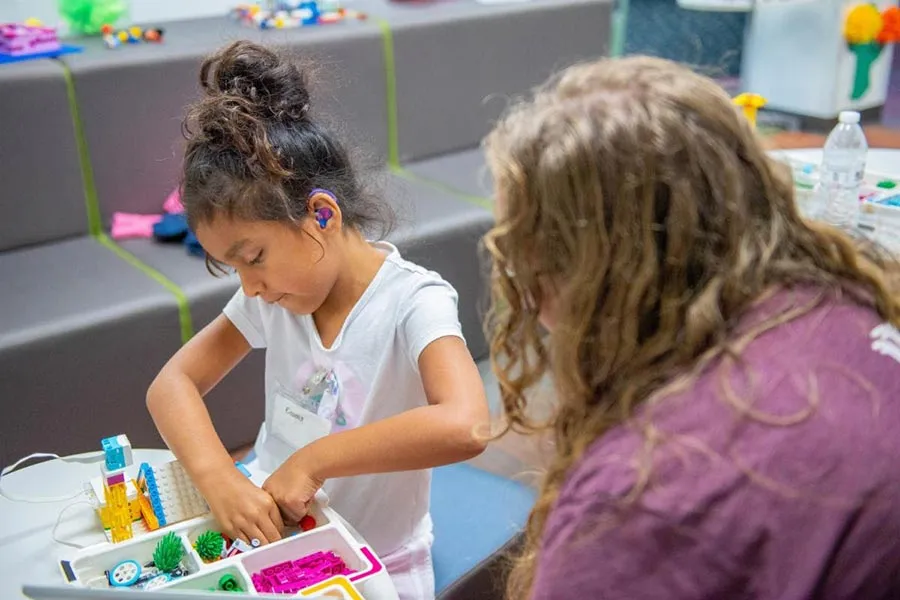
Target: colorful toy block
(292, 576)
(171, 493)
(118, 452)
(26, 39)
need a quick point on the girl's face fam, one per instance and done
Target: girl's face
(294, 266)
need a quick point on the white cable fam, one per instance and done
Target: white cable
(93, 457)
(59, 520)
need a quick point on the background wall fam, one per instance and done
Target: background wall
(712, 40)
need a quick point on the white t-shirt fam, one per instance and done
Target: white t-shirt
(372, 373)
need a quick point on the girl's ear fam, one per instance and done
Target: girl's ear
(324, 209)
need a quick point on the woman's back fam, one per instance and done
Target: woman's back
(772, 477)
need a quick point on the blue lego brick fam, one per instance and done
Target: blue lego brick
(146, 473)
(64, 49)
(115, 454)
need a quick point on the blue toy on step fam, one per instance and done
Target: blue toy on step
(173, 227)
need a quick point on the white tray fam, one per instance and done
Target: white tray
(369, 581)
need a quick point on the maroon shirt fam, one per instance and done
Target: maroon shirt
(737, 508)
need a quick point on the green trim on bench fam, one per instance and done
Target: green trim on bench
(618, 22)
(95, 222)
(477, 200)
(95, 225)
(184, 307)
(390, 86)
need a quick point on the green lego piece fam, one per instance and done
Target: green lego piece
(229, 583)
(209, 545)
(168, 553)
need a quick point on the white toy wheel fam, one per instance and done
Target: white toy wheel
(125, 573)
(158, 581)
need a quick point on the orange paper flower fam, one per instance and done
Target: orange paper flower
(890, 30)
(863, 24)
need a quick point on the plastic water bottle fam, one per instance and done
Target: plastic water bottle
(843, 167)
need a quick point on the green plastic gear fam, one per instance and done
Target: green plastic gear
(168, 553)
(209, 545)
(87, 17)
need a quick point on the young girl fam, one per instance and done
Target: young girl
(727, 373)
(368, 380)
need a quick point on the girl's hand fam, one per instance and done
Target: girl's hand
(293, 487)
(241, 508)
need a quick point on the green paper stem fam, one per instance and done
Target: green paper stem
(866, 55)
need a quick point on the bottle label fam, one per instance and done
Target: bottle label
(842, 178)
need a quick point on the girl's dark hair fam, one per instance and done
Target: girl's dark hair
(253, 152)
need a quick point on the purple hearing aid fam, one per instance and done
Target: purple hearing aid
(323, 214)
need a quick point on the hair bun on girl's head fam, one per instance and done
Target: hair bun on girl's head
(270, 86)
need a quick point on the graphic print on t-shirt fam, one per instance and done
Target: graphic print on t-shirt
(333, 393)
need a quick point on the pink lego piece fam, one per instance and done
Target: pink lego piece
(173, 205)
(128, 225)
(292, 576)
(21, 40)
(118, 478)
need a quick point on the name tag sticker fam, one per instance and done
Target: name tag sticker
(295, 425)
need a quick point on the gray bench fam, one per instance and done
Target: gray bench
(80, 329)
(459, 63)
(496, 54)
(465, 171)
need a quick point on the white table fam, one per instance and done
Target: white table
(879, 161)
(878, 223)
(28, 553)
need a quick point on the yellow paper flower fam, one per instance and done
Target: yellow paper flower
(863, 24)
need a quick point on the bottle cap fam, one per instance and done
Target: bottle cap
(849, 116)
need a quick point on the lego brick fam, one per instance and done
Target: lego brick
(171, 493)
(118, 452)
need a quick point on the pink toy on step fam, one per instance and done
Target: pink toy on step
(129, 225)
(173, 205)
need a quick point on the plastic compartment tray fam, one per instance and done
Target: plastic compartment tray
(89, 566)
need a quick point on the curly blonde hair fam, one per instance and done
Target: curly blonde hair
(639, 209)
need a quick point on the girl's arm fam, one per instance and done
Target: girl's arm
(450, 429)
(175, 398)
(175, 401)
